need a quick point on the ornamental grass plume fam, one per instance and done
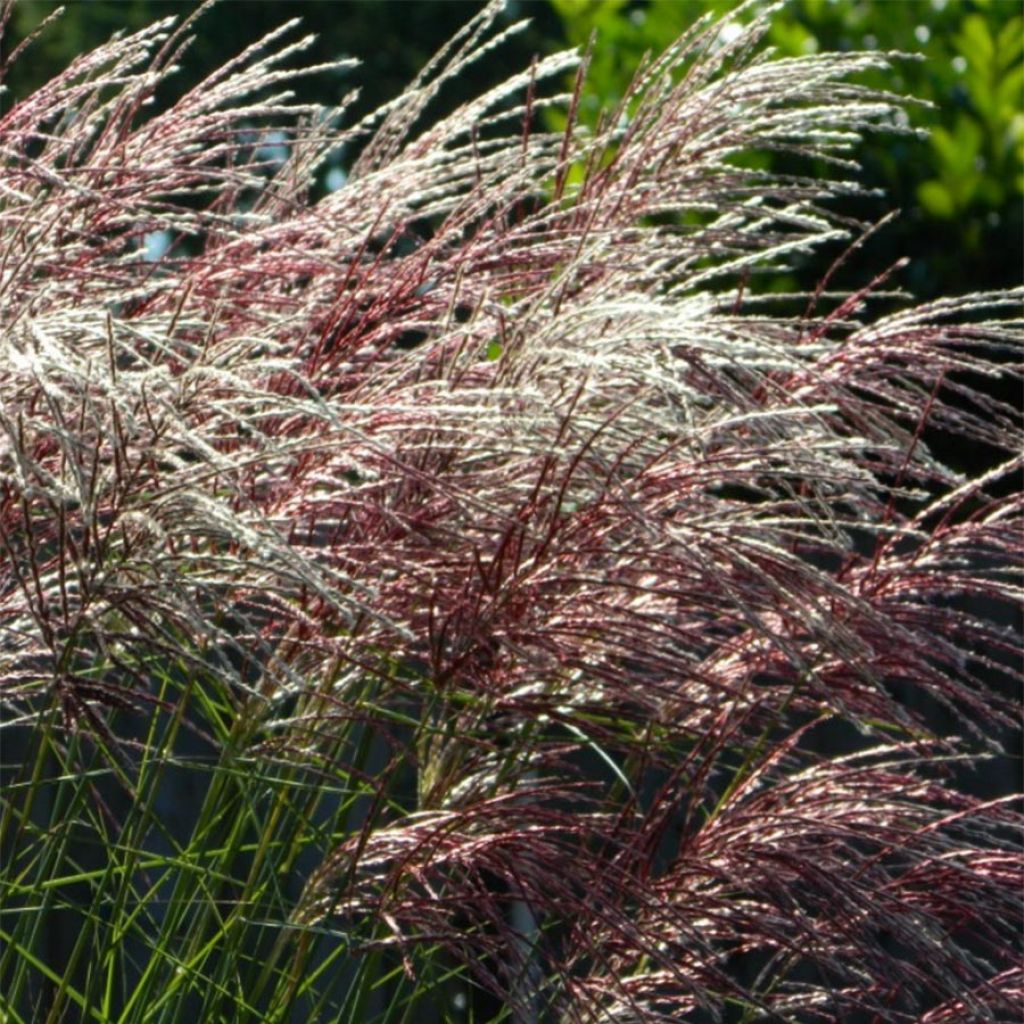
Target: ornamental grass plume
(456, 596)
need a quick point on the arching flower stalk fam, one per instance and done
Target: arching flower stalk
(454, 597)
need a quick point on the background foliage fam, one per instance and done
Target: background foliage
(960, 188)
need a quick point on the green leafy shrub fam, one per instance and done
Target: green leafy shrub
(961, 187)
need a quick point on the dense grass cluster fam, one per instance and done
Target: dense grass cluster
(455, 597)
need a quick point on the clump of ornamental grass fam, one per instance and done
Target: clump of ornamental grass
(457, 596)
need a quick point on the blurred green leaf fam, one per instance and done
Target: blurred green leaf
(975, 41)
(936, 199)
(958, 150)
(1010, 43)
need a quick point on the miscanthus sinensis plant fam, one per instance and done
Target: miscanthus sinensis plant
(454, 597)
